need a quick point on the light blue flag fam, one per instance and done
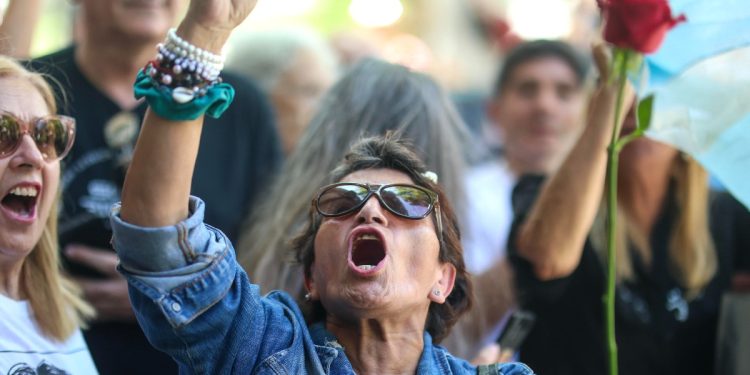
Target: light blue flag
(700, 78)
(712, 27)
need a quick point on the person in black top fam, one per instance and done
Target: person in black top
(95, 80)
(679, 245)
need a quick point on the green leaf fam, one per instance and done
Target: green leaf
(643, 113)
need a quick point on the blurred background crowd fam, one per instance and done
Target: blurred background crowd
(315, 75)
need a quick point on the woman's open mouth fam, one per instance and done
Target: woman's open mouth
(20, 203)
(367, 252)
(145, 3)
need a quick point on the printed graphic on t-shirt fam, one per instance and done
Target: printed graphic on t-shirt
(25, 350)
(43, 368)
(99, 198)
(89, 194)
(71, 358)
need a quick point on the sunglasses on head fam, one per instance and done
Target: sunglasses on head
(403, 200)
(53, 135)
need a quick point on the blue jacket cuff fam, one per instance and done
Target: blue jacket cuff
(145, 250)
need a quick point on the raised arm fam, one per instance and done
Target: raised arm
(157, 186)
(553, 236)
(17, 27)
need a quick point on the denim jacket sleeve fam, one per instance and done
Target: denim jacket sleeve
(195, 303)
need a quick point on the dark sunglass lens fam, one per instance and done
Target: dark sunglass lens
(10, 132)
(407, 200)
(52, 137)
(339, 199)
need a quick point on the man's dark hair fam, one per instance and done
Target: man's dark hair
(537, 49)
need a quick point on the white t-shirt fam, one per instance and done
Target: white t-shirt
(25, 351)
(487, 223)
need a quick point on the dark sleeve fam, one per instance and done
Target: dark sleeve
(240, 153)
(730, 227)
(55, 67)
(268, 157)
(534, 293)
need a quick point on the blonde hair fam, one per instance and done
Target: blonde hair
(56, 302)
(692, 252)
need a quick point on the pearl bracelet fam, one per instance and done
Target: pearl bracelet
(179, 64)
(183, 71)
(184, 49)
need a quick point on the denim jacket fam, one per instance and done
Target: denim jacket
(195, 303)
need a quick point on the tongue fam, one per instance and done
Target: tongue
(368, 252)
(19, 205)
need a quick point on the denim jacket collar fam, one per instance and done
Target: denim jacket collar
(433, 360)
(326, 345)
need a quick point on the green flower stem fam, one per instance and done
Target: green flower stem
(621, 58)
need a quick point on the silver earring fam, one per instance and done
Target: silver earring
(308, 297)
(436, 292)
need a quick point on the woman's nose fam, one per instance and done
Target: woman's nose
(372, 212)
(27, 154)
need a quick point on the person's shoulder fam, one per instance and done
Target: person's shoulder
(723, 203)
(243, 86)
(55, 63)
(729, 220)
(64, 54)
(250, 104)
(726, 211)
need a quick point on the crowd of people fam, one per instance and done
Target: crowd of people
(375, 232)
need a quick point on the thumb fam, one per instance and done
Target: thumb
(488, 355)
(602, 60)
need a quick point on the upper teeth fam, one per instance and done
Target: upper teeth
(367, 237)
(24, 191)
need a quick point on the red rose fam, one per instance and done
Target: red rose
(637, 24)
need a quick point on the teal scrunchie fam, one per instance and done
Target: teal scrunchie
(159, 98)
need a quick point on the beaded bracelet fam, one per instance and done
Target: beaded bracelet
(188, 70)
(183, 81)
(185, 49)
(184, 87)
(180, 64)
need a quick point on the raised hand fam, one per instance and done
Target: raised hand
(157, 187)
(208, 23)
(551, 241)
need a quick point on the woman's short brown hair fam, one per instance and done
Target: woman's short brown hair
(392, 153)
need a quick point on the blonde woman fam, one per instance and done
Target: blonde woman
(41, 310)
(674, 257)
